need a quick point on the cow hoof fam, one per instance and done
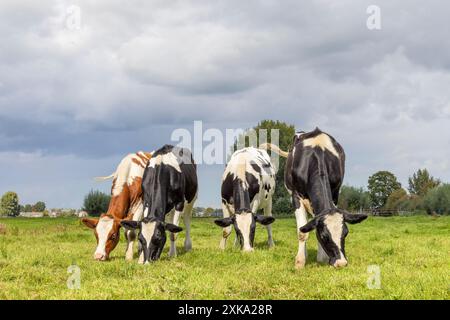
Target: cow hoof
(271, 245)
(187, 246)
(300, 263)
(129, 257)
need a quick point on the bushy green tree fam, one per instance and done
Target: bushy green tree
(39, 206)
(381, 185)
(96, 203)
(437, 200)
(27, 208)
(396, 198)
(421, 181)
(353, 199)
(282, 205)
(9, 204)
(286, 134)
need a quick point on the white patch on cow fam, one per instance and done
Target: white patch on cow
(169, 159)
(126, 172)
(334, 223)
(148, 229)
(104, 227)
(322, 141)
(244, 221)
(135, 171)
(241, 163)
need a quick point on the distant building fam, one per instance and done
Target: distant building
(31, 214)
(82, 214)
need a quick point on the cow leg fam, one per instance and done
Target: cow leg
(173, 236)
(301, 218)
(322, 256)
(227, 230)
(268, 213)
(130, 235)
(187, 215)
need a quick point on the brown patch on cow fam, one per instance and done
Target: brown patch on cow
(2, 228)
(113, 238)
(145, 157)
(90, 222)
(225, 234)
(148, 155)
(307, 204)
(136, 161)
(303, 236)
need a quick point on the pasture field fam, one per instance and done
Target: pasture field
(411, 252)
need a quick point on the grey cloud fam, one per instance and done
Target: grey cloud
(135, 72)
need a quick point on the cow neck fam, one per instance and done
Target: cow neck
(159, 200)
(320, 193)
(241, 197)
(119, 206)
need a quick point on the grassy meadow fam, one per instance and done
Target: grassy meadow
(413, 254)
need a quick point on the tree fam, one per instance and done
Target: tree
(96, 203)
(209, 211)
(396, 198)
(421, 181)
(437, 200)
(353, 199)
(9, 204)
(27, 208)
(286, 133)
(381, 185)
(39, 206)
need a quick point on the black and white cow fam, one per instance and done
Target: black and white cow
(313, 175)
(169, 188)
(248, 184)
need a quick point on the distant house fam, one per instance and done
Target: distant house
(82, 214)
(31, 214)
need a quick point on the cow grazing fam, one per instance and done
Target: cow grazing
(248, 184)
(126, 204)
(169, 188)
(314, 174)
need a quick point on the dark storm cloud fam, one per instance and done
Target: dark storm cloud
(133, 73)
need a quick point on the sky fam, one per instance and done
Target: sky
(83, 83)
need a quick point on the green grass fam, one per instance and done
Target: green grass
(412, 253)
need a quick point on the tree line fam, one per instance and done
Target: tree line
(384, 191)
(10, 206)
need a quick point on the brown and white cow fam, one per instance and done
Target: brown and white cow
(126, 204)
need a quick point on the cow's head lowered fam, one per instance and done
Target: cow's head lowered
(107, 233)
(331, 231)
(245, 225)
(152, 236)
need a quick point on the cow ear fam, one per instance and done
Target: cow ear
(89, 222)
(225, 222)
(172, 228)
(265, 221)
(130, 224)
(353, 218)
(310, 226)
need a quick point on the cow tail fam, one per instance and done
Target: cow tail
(100, 179)
(270, 146)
